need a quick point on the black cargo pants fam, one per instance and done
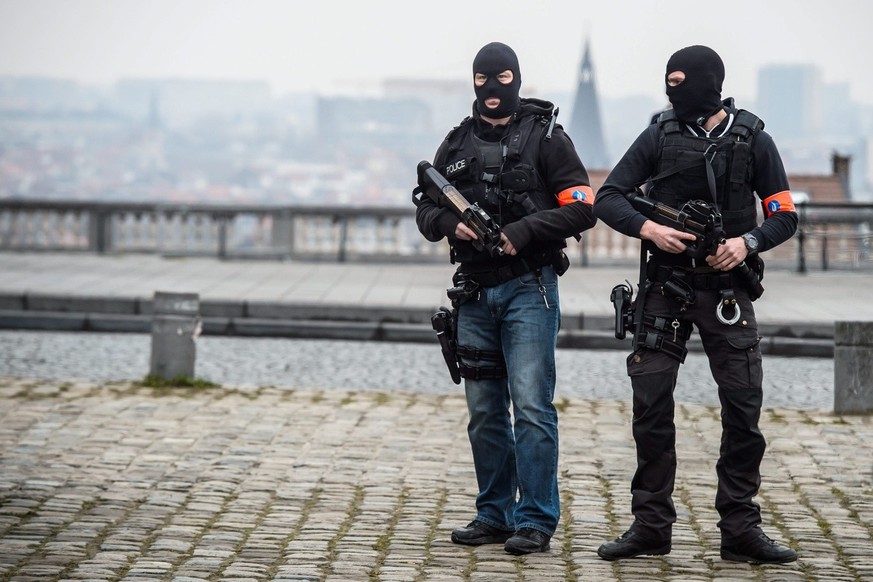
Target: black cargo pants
(735, 362)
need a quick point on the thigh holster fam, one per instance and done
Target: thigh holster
(485, 364)
(658, 332)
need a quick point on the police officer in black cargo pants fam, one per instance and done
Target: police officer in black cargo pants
(703, 148)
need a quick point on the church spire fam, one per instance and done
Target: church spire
(585, 128)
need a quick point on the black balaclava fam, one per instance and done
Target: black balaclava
(491, 60)
(699, 96)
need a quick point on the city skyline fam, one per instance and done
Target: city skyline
(341, 49)
(193, 134)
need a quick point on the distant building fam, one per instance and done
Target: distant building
(449, 101)
(47, 95)
(840, 114)
(358, 124)
(831, 187)
(585, 127)
(790, 101)
(183, 101)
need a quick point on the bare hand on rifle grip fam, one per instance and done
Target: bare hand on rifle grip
(665, 238)
(508, 247)
(729, 255)
(463, 232)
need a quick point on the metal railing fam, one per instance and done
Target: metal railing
(839, 233)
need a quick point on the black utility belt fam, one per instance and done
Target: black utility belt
(496, 275)
(706, 281)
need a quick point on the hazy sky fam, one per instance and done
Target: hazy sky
(344, 46)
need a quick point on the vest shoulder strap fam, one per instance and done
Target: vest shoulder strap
(668, 122)
(521, 134)
(746, 125)
(455, 138)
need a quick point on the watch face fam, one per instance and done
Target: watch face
(751, 242)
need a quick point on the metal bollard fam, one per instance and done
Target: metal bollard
(175, 325)
(853, 367)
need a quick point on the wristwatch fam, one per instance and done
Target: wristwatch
(751, 243)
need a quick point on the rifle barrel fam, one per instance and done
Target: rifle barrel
(452, 195)
(676, 216)
(456, 198)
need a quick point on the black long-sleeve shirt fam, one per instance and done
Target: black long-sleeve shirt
(639, 164)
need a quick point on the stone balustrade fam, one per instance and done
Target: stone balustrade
(839, 235)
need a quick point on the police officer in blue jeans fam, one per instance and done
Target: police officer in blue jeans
(512, 159)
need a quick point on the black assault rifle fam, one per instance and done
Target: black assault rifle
(697, 217)
(438, 189)
(703, 220)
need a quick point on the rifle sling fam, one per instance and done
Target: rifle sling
(710, 174)
(642, 290)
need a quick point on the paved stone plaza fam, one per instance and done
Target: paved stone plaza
(110, 481)
(349, 461)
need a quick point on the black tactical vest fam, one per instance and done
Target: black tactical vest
(686, 160)
(501, 176)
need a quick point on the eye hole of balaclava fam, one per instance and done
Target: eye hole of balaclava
(491, 60)
(699, 96)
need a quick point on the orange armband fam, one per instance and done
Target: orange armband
(780, 202)
(576, 194)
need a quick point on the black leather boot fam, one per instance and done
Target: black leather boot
(757, 549)
(631, 544)
(478, 533)
(527, 541)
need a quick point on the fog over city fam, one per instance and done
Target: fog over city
(284, 101)
(346, 47)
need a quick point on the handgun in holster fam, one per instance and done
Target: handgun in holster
(622, 301)
(445, 325)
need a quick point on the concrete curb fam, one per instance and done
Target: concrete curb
(348, 329)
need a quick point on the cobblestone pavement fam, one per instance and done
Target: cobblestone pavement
(322, 364)
(110, 481)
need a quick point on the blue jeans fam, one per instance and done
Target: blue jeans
(516, 466)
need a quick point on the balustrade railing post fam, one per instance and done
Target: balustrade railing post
(801, 235)
(343, 237)
(222, 237)
(292, 236)
(283, 232)
(100, 235)
(222, 220)
(824, 249)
